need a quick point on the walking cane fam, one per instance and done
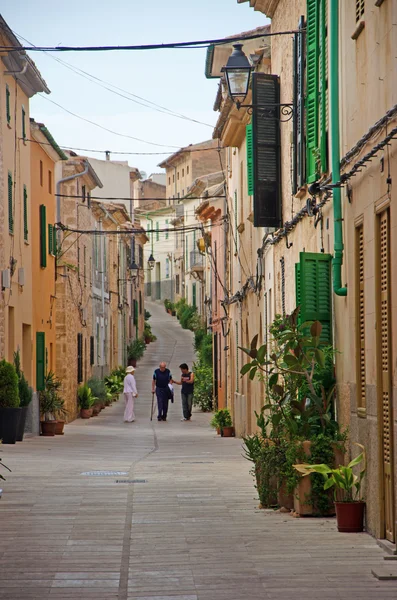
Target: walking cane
(151, 411)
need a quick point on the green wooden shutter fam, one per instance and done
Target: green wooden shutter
(323, 81)
(315, 291)
(23, 124)
(298, 295)
(166, 233)
(50, 239)
(250, 159)
(312, 89)
(54, 241)
(10, 205)
(43, 236)
(40, 360)
(25, 214)
(8, 110)
(194, 291)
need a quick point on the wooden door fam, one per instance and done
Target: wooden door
(384, 374)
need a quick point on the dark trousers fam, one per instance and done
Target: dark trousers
(162, 402)
(187, 403)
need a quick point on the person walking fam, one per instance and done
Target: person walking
(130, 393)
(161, 378)
(187, 383)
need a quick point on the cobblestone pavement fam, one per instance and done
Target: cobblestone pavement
(180, 521)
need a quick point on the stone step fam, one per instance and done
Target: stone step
(385, 573)
(387, 546)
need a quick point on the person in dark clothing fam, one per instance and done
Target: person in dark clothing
(187, 383)
(161, 378)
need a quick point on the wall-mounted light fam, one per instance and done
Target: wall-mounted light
(151, 262)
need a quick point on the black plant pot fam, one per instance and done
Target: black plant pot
(22, 422)
(9, 421)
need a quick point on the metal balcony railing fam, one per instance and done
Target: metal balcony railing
(196, 260)
(179, 211)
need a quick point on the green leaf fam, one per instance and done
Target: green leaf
(245, 368)
(329, 483)
(356, 460)
(291, 360)
(320, 358)
(253, 353)
(253, 373)
(254, 342)
(261, 353)
(246, 350)
(273, 379)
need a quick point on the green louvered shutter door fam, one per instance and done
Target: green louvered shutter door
(10, 207)
(312, 89)
(43, 236)
(54, 241)
(315, 291)
(323, 89)
(50, 239)
(25, 214)
(40, 360)
(298, 295)
(250, 159)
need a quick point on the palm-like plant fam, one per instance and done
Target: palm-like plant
(50, 400)
(85, 396)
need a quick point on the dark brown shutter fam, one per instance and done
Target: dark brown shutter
(79, 357)
(266, 142)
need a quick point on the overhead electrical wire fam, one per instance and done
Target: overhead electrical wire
(134, 199)
(131, 230)
(105, 84)
(171, 45)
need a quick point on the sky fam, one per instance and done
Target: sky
(171, 78)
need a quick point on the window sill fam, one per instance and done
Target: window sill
(359, 28)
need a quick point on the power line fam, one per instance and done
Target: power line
(65, 147)
(104, 84)
(106, 128)
(172, 45)
(134, 230)
(135, 199)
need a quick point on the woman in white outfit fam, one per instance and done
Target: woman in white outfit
(130, 393)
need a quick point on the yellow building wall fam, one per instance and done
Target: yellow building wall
(16, 303)
(43, 278)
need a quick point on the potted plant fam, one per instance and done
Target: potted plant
(135, 351)
(60, 415)
(9, 403)
(349, 504)
(25, 396)
(50, 403)
(223, 420)
(114, 384)
(99, 390)
(86, 400)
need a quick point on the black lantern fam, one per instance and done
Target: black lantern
(238, 72)
(134, 270)
(151, 262)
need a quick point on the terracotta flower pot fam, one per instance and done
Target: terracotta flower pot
(227, 432)
(350, 516)
(85, 413)
(96, 409)
(59, 427)
(48, 428)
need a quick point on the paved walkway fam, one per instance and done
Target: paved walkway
(180, 522)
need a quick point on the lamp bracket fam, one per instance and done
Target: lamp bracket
(268, 110)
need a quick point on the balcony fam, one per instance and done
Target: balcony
(197, 261)
(179, 211)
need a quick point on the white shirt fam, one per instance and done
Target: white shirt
(130, 385)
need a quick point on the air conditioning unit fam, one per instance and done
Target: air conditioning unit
(21, 276)
(5, 279)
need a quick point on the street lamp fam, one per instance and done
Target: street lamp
(134, 270)
(238, 73)
(151, 262)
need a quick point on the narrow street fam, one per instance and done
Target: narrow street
(177, 520)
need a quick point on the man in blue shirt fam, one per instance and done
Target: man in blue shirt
(161, 378)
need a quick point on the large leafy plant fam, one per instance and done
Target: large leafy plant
(342, 478)
(9, 396)
(299, 380)
(85, 397)
(50, 400)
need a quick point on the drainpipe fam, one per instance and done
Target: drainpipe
(335, 158)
